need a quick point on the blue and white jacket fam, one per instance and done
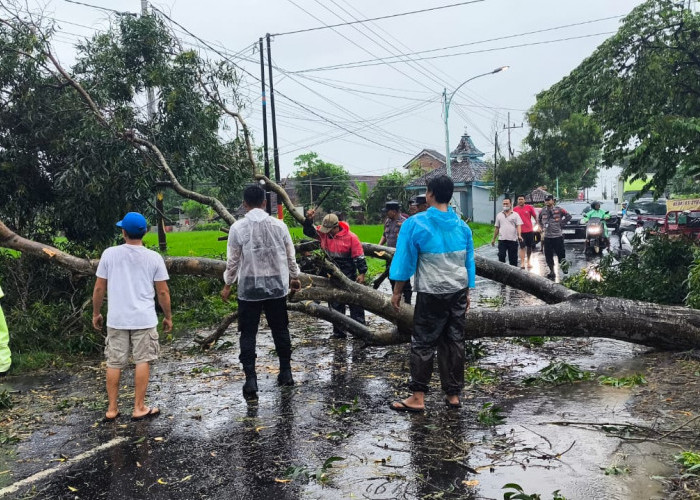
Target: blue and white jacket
(438, 248)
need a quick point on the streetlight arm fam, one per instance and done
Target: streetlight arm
(497, 70)
(449, 101)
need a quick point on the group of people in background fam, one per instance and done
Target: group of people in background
(514, 231)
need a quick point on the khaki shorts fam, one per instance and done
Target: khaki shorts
(144, 346)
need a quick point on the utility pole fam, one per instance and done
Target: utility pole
(151, 112)
(275, 151)
(495, 163)
(510, 150)
(264, 116)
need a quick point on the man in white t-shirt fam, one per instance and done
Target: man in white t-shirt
(128, 274)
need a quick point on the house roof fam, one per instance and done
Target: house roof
(466, 164)
(466, 148)
(430, 152)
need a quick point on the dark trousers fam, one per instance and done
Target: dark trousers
(552, 246)
(438, 322)
(277, 318)
(356, 312)
(407, 290)
(512, 248)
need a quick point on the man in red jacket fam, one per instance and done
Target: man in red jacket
(345, 249)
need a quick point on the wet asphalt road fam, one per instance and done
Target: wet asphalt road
(210, 443)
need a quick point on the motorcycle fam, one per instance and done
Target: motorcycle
(595, 236)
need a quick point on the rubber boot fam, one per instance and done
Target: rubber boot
(285, 378)
(250, 388)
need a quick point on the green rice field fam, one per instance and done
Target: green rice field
(206, 244)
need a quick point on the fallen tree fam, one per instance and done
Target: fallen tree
(568, 314)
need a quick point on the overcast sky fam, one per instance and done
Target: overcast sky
(375, 117)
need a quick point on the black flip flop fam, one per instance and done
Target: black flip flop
(453, 405)
(150, 414)
(405, 407)
(106, 419)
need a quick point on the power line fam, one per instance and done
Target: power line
(208, 45)
(375, 18)
(477, 42)
(357, 44)
(114, 11)
(493, 49)
(421, 66)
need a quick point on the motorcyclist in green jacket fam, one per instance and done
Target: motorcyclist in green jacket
(599, 213)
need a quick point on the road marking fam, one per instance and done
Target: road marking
(13, 488)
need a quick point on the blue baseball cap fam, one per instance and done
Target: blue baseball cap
(134, 223)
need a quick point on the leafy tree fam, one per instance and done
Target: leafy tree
(391, 186)
(566, 143)
(363, 192)
(64, 170)
(315, 177)
(642, 87)
(195, 210)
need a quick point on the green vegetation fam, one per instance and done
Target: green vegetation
(474, 375)
(5, 401)
(519, 493)
(490, 415)
(320, 474)
(530, 341)
(474, 350)
(191, 244)
(689, 460)
(641, 86)
(631, 381)
(616, 470)
(663, 270)
(345, 408)
(316, 178)
(558, 373)
(497, 301)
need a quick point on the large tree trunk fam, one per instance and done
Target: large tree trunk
(571, 315)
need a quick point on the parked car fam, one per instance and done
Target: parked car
(644, 209)
(575, 229)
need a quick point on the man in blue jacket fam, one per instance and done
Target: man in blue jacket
(436, 246)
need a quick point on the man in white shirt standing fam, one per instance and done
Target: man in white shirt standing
(128, 274)
(507, 229)
(261, 258)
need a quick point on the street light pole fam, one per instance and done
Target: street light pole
(446, 112)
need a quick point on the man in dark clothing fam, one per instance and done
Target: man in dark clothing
(552, 220)
(437, 247)
(345, 249)
(392, 226)
(261, 259)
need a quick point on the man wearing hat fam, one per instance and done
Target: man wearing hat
(345, 249)
(412, 207)
(421, 203)
(552, 220)
(392, 226)
(128, 274)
